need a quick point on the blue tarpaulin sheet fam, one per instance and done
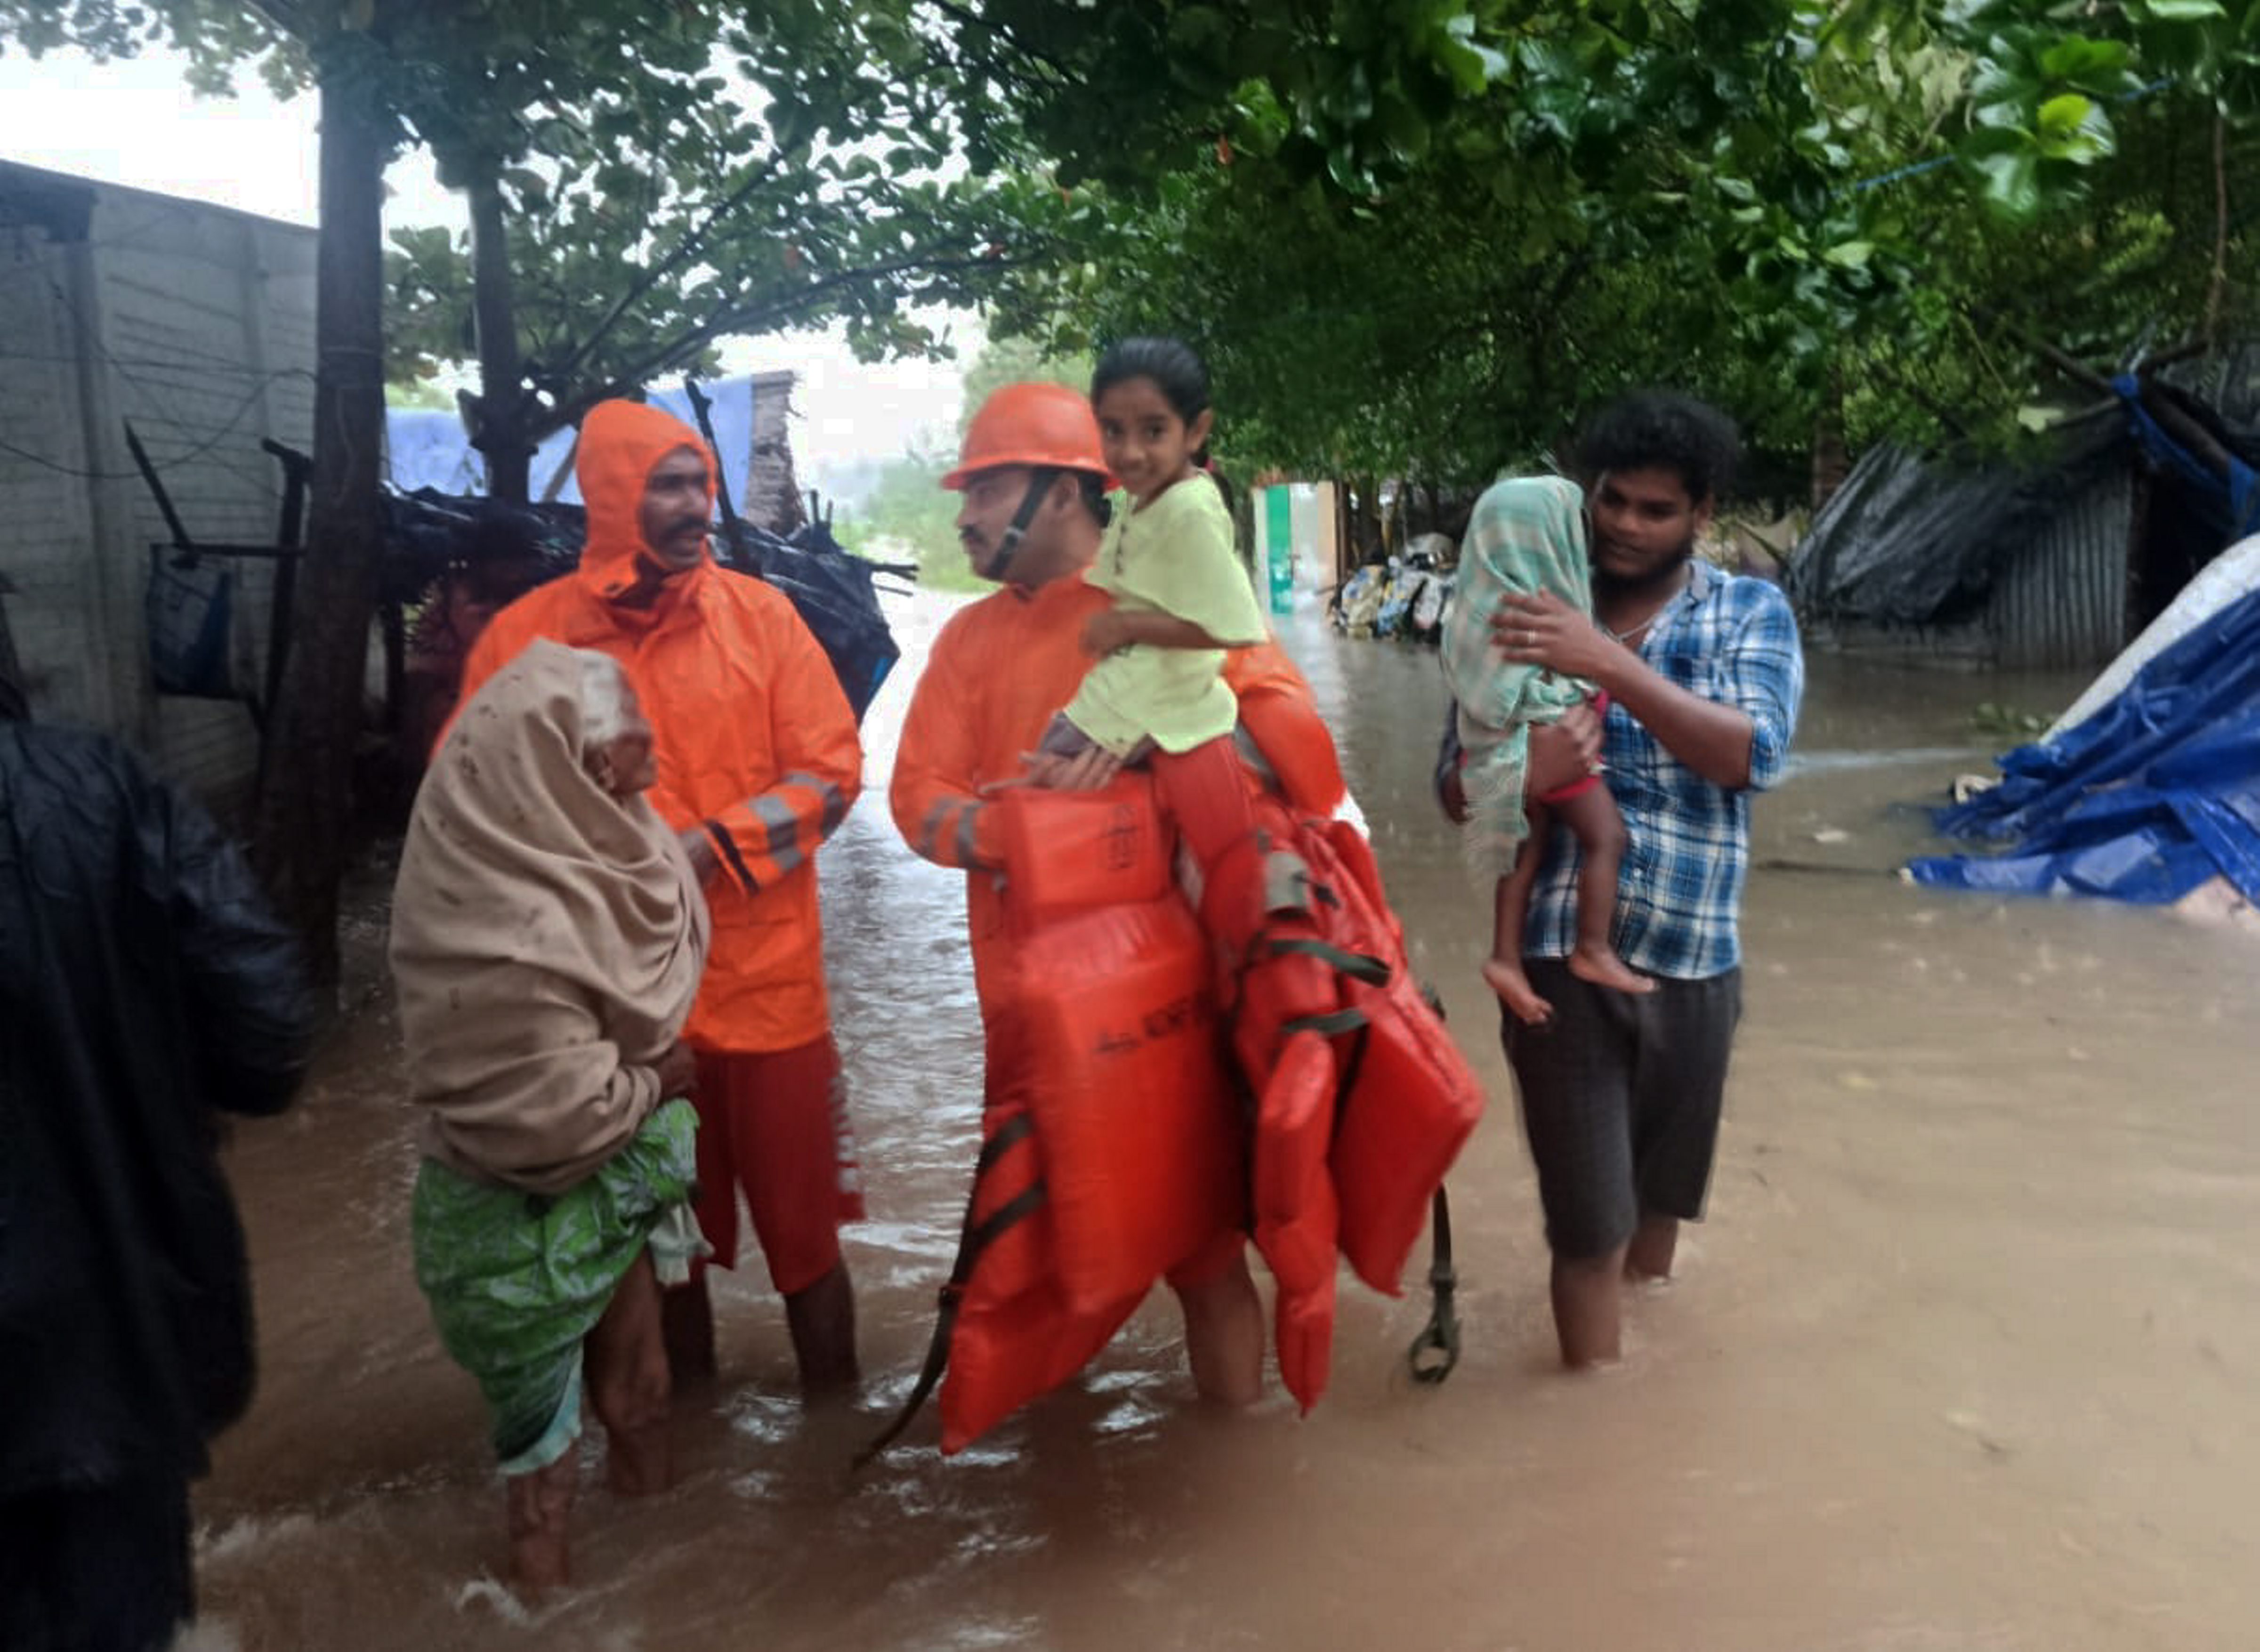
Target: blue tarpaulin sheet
(2237, 493)
(2156, 794)
(428, 448)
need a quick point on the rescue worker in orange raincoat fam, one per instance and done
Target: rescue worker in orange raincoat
(758, 763)
(1034, 485)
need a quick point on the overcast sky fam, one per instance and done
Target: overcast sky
(135, 121)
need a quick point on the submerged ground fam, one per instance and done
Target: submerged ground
(1963, 1358)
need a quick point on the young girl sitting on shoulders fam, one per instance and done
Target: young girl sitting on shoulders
(1182, 598)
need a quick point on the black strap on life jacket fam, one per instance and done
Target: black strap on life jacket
(975, 1238)
(1349, 1021)
(1331, 1025)
(1437, 1349)
(1358, 966)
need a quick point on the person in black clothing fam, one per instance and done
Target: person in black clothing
(144, 988)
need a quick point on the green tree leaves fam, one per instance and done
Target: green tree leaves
(1409, 233)
(1435, 231)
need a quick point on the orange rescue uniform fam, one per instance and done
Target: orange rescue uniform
(755, 741)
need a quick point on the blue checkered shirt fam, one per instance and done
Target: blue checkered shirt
(1679, 893)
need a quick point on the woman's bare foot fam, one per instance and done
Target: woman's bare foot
(1604, 968)
(537, 1507)
(1505, 977)
(538, 1564)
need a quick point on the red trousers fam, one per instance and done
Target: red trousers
(1206, 790)
(774, 1123)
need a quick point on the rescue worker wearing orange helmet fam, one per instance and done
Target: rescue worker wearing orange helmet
(1034, 483)
(759, 761)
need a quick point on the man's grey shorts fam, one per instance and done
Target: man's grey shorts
(1620, 1100)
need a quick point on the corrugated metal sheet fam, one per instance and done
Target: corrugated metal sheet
(2062, 601)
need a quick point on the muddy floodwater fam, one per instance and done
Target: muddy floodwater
(1967, 1355)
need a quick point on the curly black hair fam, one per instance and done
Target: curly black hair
(1663, 430)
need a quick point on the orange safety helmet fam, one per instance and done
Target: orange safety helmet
(1047, 426)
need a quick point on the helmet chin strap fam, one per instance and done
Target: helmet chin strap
(1009, 545)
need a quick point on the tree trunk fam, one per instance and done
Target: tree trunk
(305, 809)
(1831, 463)
(501, 435)
(1365, 520)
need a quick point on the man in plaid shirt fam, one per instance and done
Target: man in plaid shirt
(1621, 1093)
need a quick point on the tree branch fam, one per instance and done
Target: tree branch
(2070, 366)
(749, 320)
(690, 246)
(2171, 418)
(967, 18)
(2183, 429)
(285, 16)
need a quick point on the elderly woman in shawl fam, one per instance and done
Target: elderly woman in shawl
(547, 936)
(1527, 534)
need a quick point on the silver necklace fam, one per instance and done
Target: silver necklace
(1630, 631)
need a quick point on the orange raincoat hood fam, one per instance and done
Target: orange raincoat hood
(620, 443)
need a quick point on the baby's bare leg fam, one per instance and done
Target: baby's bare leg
(1600, 832)
(1510, 905)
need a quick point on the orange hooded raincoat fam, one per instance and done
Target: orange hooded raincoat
(997, 672)
(755, 741)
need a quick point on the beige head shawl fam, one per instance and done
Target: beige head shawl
(546, 937)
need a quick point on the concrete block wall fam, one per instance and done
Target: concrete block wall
(47, 535)
(196, 324)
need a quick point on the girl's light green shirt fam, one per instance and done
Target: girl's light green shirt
(1176, 557)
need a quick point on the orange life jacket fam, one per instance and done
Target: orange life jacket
(1113, 1150)
(1057, 881)
(1114, 1145)
(1298, 1218)
(1352, 1070)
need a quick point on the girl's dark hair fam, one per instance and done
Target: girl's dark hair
(1176, 370)
(1663, 430)
(1223, 486)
